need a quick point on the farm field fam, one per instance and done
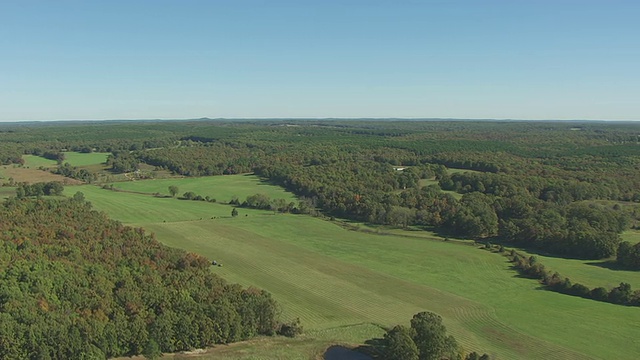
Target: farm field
(222, 188)
(331, 277)
(33, 161)
(592, 273)
(73, 158)
(85, 159)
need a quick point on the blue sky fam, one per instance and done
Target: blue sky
(517, 59)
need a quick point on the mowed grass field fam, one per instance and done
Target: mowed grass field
(592, 273)
(222, 188)
(332, 278)
(73, 158)
(33, 161)
(85, 159)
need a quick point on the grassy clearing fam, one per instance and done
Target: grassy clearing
(428, 182)
(592, 273)
(222, 188)
(73, 158)
(139, 209)
(331, 277)
(32, 161)
(632, 236)
(85, 159)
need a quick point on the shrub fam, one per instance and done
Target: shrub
(290, 329)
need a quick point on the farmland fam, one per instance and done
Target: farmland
(331, 277)
(73, 158)
(350, 245)
(222, 188)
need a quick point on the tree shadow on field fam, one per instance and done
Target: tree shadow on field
(373, 348)
(609, 264)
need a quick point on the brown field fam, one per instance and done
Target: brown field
(20, 174)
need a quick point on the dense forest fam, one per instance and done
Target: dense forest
(76, 285)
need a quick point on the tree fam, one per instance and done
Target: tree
(234, 212)
(399, 344)
(475, 356)
(173, 190)
(78, 196)
(189, 195)
(430, 335)
(152, 350)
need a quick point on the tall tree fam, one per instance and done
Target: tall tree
(399, 344)
(430, 335)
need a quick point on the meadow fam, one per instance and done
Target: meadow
(85, 159)
(222, 188)
(34, 161)
(73, 158)
(333, 278)
(592, 273)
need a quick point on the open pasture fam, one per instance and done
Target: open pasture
(221, 188)
(138, 209)
(73, 158)
(33, 161)
(592, 273)
(331, 277)
(85, 159)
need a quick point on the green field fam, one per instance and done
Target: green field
(73, 158)
(85, 159)
(331, 277)
(33, 161)
(632, 236)
(592, 273)
(222, 188)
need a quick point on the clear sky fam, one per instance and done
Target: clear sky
(518, 59)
